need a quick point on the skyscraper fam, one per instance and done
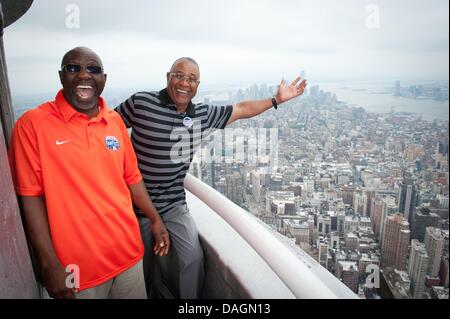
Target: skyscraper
(370, 197)
(323, 252)
(377, 210)
(360, 203)
(441, 156)
(434, 244)
(417, 268)
(422, 219)
(256, 186)
(390, 208)
(394, 250)
(323, 225)
(234, 188)
(347, 271)
(407, 198)
(443, 272)
(347, 193)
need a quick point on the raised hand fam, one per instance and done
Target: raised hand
(288, 92)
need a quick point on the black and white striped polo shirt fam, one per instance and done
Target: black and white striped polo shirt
(165, 141)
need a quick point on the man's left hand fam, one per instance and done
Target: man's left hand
(160, 237)
(288, 92)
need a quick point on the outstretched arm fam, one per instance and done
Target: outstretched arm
(248, 109)
(142, 200)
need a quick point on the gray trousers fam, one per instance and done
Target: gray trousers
(127, 285)
(181, 273)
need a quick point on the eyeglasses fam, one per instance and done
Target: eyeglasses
(76, 68)
(180, 77)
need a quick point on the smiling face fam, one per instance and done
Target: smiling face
(82, 85)
(182, 82)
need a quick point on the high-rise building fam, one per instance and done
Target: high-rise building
(389, 208)
(445, 233)
(441, 156)
(394, 284)
(377, 210)
(314, 91)
(366, 260)
(347, 271)
(256, 186)
(323, 225)
(351, 242)
(235, 188)
(443, 272)
(434, 244)
(334, 240)
(347, 193)
(417, 268)
(322, 246)
(298, 230)
(422, 219)
(370, 193)
(341, 223)
(360, 203)
(407, 198)
(351, 224)
(394, 250)
(334, 220)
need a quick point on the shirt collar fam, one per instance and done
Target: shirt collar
(68, 112)
(166, 100)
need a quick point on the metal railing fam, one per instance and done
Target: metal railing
(295, 274)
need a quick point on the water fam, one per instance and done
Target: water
(378, 98)
(373, 96)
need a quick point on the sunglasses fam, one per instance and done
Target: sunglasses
(76, 68)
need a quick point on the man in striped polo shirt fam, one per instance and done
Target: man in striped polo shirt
(167, 127)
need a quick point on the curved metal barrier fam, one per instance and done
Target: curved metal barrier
(295, 274)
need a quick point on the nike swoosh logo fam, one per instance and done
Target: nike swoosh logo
(62, 142)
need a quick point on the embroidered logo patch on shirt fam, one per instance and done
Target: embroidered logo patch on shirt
(112, 143)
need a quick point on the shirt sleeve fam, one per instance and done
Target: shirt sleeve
(131, 173)
(126, 111)
(25, 160)
(218, 116)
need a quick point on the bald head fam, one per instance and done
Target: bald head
(81, 51)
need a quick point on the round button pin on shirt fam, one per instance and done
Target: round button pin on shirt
(188, 122)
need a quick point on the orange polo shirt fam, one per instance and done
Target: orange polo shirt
(83, 167)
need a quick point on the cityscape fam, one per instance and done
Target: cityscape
(354, 189)
(340, 193)
(351, 188)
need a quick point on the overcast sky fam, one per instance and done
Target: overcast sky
(234, 41)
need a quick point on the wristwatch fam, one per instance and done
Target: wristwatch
(274, 103)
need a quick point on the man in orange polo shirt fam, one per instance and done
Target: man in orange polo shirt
(77, 176)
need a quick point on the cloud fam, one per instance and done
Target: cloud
(234, 40)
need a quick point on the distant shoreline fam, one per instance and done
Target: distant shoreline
(372, 99)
